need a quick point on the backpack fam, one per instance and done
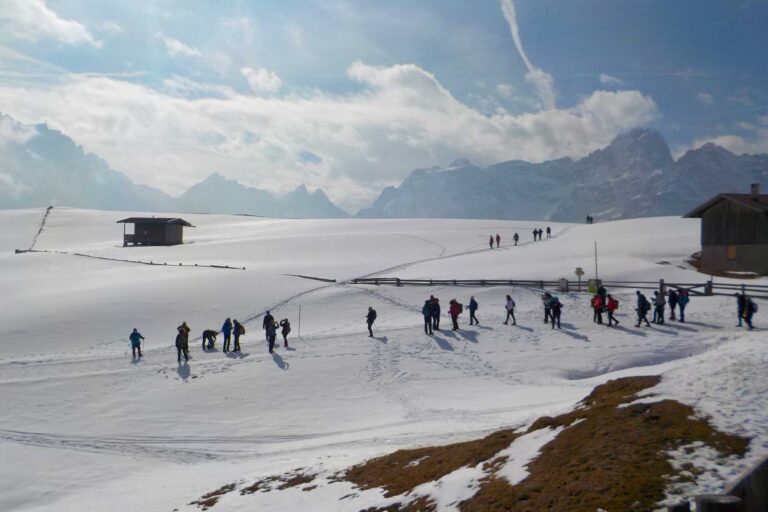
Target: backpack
(644, 304)
(461, 308)
(242, 329)
(373, 315)
(753, 306)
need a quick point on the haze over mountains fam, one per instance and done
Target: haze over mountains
(634, 176)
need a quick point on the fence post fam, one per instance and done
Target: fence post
(708, 288)
(376, 282)
(683, 506)
(717, 503)
(743, 289)
(398, 282)
(482, 282)
(661, 286)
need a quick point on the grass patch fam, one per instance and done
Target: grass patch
(206, 501)
(403, 470)
(615, 459)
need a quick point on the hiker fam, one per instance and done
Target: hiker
(603, 293)
(672, 300)
(682, 301)
(545, 300)
(612, 306)
(490, 241)
(597, 308)
(209, 336)
(741, 300)
(435, 303)
(226, 329)
(658, 308)
(750, 308)
(285, 330)
(643, 306)
(549, 232)
(455, 310)
(184, 327)
(182, 342)
(369, 319)
(555, 308)
(271, 329)
(135, 338)
(426, 311)
(587, 219)
(510, 306)
(498, 240)
(472, 308)
(268, 320)
(516, 237)
(238, 330)
(535, 234)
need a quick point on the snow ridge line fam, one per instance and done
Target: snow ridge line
(139, 262)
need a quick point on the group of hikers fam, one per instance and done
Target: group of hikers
(601, 302)
(230, 329)
(590, 219)
(537, 234)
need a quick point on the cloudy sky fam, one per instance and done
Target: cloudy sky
(352, 95)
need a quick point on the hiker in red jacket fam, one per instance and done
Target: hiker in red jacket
(597, 307)
(498, 240)
(612, 306)
(455, 310)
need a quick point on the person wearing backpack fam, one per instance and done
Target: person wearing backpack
(682, 301)
(135, 338)
(182, 343)
(285, 330)
(545, 300)
(238, 330)
(673, 299)
(510, 307)
(515, 238)
(658, 307)
(268, 320)
(612, 306)
(472, 308)
(741, 301)
(597, 309)
(369, 319)
(455, 310)
(434, 303)
(750, 308)
(643, 306)
(555, 310)
(226, 330)
(498, 240)
(426, 312)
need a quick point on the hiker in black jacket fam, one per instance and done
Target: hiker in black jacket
(268, 320)
(369, 319)
(426, 311)
(210, 337)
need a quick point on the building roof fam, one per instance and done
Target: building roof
(757, 202)
(155, 220)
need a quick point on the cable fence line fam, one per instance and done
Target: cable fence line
(138, 262)
(707, 288)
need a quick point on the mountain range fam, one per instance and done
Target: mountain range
(634, 176)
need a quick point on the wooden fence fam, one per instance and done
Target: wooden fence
(564, 285)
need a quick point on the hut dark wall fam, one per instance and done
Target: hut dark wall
(174, 234)
(734, 238)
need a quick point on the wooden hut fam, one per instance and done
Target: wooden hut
(734, 233)
(154, 230)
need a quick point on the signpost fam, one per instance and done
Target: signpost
(579, 272)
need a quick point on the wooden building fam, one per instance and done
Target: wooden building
(734, 233)
(154, 230)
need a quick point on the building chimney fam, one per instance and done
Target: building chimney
(754, 190)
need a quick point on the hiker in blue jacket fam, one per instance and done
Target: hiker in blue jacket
(226, 329)
(682, 301)
(435, 303)
(472, 308)
(136, 338)
(426, 311)
(555, 309)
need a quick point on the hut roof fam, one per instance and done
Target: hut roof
(155, 220)
(757, 202)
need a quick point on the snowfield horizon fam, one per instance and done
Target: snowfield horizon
(87, 427)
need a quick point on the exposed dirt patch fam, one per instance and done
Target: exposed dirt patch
(295, 480)
(206, 501)
(615, 459)
(403, 470)
(420, 505)
(262, 485)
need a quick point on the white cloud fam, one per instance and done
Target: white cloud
(176, 48)
(262, 80)
(705, 98)
(542, 81)
(33, 20)
(110, 27)
(402, 119)
(609, 80)
(737, 144)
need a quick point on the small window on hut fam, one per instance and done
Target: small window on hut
(731, 252)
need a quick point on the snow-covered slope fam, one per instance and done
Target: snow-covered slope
(89, 429)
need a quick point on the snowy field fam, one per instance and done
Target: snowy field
(84, 427)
